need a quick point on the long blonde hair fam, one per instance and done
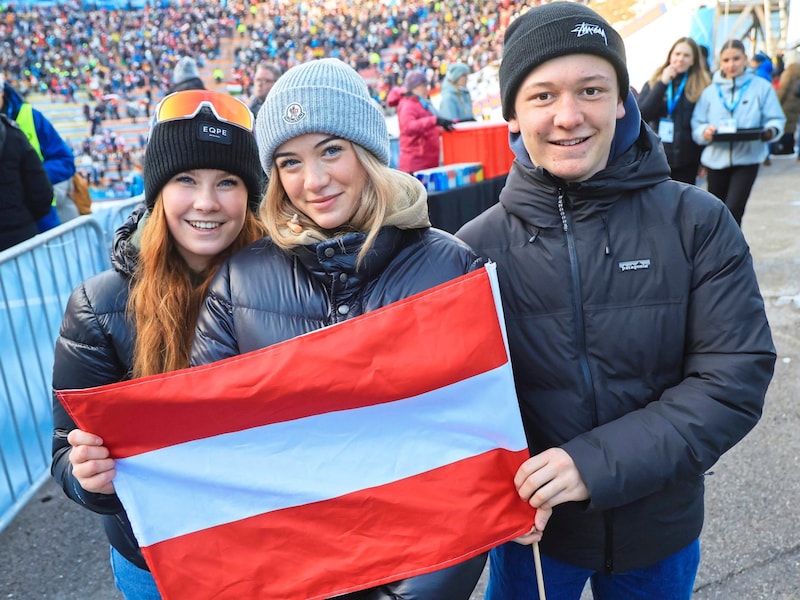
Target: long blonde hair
(383, 188)
(698, 79)
(166, 296)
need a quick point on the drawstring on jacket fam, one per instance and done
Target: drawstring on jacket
(608, 236)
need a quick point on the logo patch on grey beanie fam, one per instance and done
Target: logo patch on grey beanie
(213, 132)
(294, 113)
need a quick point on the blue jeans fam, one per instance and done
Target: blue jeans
(512, 576)
(133, 582)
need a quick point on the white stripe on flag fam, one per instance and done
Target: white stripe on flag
(288, 464)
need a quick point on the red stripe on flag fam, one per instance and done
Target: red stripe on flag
(360, 540)
(258, 390)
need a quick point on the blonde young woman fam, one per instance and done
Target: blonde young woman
(347, 235)
(667, 100)
(203, 183)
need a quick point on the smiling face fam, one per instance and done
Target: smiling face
(205, 211)
(566, 111)
(322, 177)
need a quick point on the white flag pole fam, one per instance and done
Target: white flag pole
(537, 561)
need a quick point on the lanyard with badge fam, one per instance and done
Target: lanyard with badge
(666, 127)
(729, 125)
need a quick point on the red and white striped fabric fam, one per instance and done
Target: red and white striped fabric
(363, 453)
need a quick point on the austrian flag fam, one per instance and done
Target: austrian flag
(363, 453)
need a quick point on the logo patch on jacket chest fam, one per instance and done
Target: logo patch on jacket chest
(634, 265)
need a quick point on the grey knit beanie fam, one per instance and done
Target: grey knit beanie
(551, 30)
(202, 142)
(321, 96)
(185, 69)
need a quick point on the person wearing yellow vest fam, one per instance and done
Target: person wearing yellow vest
(56, 155)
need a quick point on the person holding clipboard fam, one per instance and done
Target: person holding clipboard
(667, 101)
(733, 118)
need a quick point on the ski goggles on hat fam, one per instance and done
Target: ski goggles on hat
(187, 104)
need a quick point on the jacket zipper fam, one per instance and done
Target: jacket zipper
(577, 307)
(577, 304)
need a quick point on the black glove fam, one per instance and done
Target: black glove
(445, 124)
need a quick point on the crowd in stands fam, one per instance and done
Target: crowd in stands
(62, 48)
(124, 58)
(381, 39)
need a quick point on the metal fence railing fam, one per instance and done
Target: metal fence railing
(36, 279)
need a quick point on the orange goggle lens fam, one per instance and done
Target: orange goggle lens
(187, 104)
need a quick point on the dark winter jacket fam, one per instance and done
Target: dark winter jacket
(639, 343)
(95, 347)
(26, 191)
(318, 285)
(682, 151)
(264, 295)
(59, 161)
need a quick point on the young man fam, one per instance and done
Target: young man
(637, 331)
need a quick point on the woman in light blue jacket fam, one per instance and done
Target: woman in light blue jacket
(733, 118)
(456, 102)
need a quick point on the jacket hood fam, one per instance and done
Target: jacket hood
(12, 100)
(394, 95)
(125, 246)
(531, 193)
(726, 82)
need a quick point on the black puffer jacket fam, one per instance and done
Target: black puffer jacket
(639, 342)
(682, 151)
(263, 295)
(95, 347)
(25, 190)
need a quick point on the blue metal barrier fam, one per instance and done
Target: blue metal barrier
(36, 279)
(112, 213)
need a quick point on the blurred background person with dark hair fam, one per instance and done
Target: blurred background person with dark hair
(53, 151)
(789, 96)
(26, 191)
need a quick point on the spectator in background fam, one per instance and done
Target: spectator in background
(26, 193)
(789, 97)
(53, 151)
(667, 101)
(625, 409)
(737, 99)
(138, 318)
(762, 65)
(420, 138)
(265, 76)
(455, 100)
(185, 76)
